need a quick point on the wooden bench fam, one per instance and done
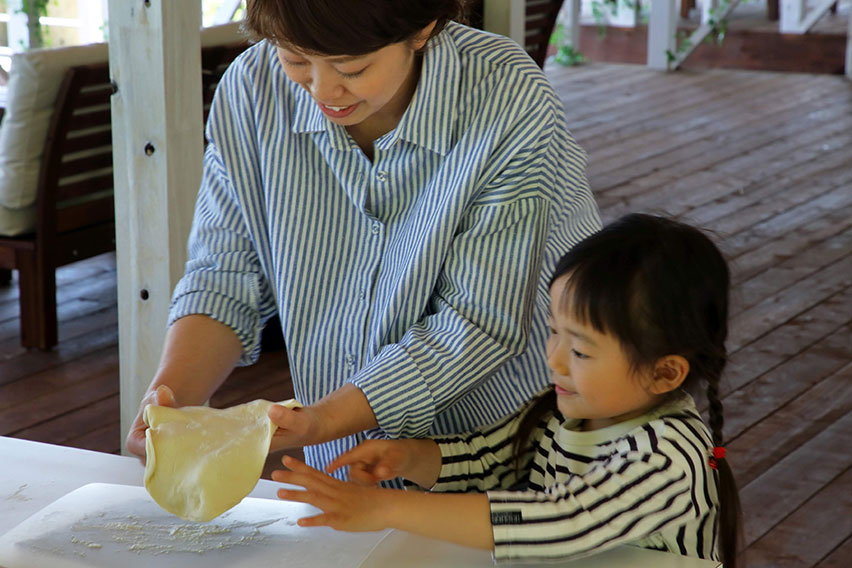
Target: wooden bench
(75, 217)
(74, 205)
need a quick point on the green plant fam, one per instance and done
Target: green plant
(566, 54)
(35, 9)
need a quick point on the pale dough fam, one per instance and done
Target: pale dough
(202, 461)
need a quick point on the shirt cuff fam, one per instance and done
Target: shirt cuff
(397, 393)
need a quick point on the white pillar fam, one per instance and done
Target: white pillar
(506, 17)
(16, 28)
(790, 17)
(91, 18)
(662, 27)
(155, 61)
(706, 7)
(570, 16)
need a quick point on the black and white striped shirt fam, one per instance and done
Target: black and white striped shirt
(420, 276)
(645, 482)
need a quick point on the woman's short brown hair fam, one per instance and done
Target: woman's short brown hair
(345, 27)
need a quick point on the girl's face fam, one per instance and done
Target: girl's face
(591, 373)
(369, 92)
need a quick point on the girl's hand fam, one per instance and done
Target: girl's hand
(161, 396)
(373, 461)
(345, 506)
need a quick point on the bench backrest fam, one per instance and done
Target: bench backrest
(75, 192)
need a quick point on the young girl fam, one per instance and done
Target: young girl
(614, 453)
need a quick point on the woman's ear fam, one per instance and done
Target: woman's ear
(423, 35)
(669, 373)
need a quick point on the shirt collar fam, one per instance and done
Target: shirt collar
(307, 117)
(428, 120)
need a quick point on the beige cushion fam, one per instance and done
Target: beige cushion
(34, 83)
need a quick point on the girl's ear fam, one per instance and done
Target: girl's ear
(669, 373)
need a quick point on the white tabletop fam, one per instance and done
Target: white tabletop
(34, 475)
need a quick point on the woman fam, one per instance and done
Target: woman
(396, 187)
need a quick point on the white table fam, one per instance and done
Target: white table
(33, 475)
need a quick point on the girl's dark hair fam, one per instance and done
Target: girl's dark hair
(661, 288)
(354, 27)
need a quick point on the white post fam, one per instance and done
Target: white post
(570, 20)
(706, 8)
(506, 17)
(662, 27)
(91, 20)
(791, 14)
(16, 28)
(155, 62)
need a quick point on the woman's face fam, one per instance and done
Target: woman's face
(358, 90)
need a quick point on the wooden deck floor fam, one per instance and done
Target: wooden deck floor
(764, 160)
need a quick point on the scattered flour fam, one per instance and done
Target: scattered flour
(166, 536)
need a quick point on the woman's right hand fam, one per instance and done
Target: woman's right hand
(373, 461)
(161, 396)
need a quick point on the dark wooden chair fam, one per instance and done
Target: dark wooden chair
(74, 204)
(540, 20)
(75, 216)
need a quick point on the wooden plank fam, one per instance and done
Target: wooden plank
(67, 428)
(679, 196)
(69, 308)
(757, 449)
(81, 337)
(22, 409)
(818, 527)
(839, 557)
(758, 319)
(821, 254)
(749, 405)
(785, 342)
(105, 439)
(788, 484)
(711, 160)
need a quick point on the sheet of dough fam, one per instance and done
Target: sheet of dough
(202, 461)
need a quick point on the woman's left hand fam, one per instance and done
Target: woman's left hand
(297, 427)
(345, 505)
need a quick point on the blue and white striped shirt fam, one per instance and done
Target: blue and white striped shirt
(421, 277)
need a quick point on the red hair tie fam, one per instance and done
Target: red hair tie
(718, 454)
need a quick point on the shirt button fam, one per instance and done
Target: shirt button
(375, 228)
(381, 176)
(350, 360)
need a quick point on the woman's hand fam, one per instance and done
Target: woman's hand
(162, 396)
(338, 414)
(297, 427)
(373, 461)
(346, 506)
